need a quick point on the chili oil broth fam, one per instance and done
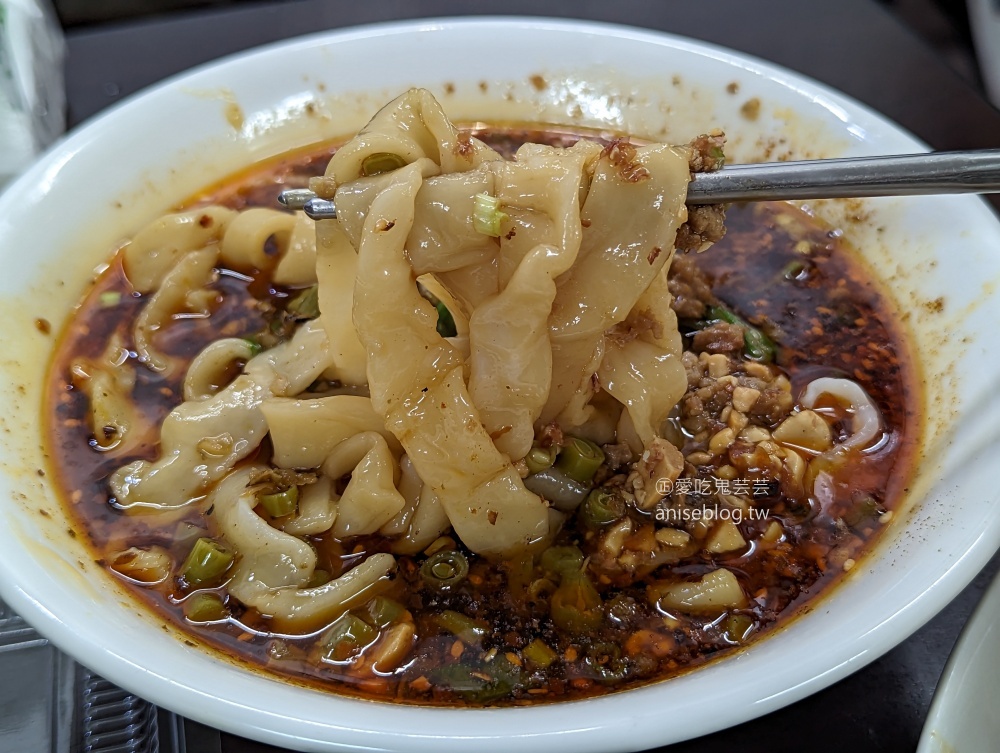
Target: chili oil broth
(777, 267)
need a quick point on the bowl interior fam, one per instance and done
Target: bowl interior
(64, 217)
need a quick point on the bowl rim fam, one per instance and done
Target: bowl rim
(585, 733)
(946, 714)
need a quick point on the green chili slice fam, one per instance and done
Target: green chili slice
(738, 627)
(722, 314)
(482, 682)
(621, 610)
(446, 322)
(864, 510)
(445, 569)
(562, 560)
(318, 578)
(205, 607)
(305, 305)
(541, 589)
(346, 637)
(384, 611)
(793, 269)
(579, 459)
(469, 630)
(281, 503)
(255, 346)
(757, 345)
(601, 508)
(575, 607)
(381, 162)
(207, 561)
(539, 653)
(540, 459)
(606, 661)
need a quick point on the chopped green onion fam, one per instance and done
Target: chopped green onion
(469, 630)
(205, 607)
(621, 610)
(721, 313)
(541, 589)
(606, 661)
(318, 578)
(539, 459)
(346, 637)
(446, 322)
(486, 215)
(738, 627)
(255, 346)
(480, 683)
(757, 345)
(575, 607)
(207, 561)
(562, 560)
(864, 510)
(381, 162)
(384, 611)
(445, 569)
(282, 503)
(716, 153)
(539, 653)
(579, 459)
(792, 270)
(601, 508)
(110, 298)
(306, 304)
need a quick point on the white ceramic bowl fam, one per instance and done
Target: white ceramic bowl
(963, 716)
(939, 256)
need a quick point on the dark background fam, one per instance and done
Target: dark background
(943, 23)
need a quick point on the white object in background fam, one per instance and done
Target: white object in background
(984, 18)
(963, 717)
(32, 97)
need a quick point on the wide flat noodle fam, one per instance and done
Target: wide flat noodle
(201, 441)
(412, 126)
(317, 509)
(305, 432)
(180, 290)
(336, 266)
(156, 249)
(297, 266)
(642, 366)
(510, 353)
(416, 382)
(371, 499)
(631, 225)
(245, 243)
(206, 375)
(107, 381)
(274, 567)
(561, 310)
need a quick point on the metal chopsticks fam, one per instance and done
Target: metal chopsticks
(975, 171)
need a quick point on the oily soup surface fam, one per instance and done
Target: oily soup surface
(765, 498)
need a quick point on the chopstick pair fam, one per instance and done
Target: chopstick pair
(976, 171)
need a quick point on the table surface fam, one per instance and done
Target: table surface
(856, 46)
